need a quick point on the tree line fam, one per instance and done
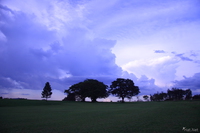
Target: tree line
(121, 88)
(173, 95)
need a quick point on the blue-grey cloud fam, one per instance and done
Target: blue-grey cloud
(25, 94)
(146, 85)
(183, 58)
(189, 82)
(35, 55)
(197, 61)
(159, 51)
(4, 93)
(193, 54)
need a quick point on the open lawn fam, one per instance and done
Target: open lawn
(29, 116)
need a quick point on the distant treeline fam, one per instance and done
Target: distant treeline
(173, 95)
(14, 98)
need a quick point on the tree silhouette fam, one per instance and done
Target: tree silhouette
(179, 94)
(89, 88)
(158, 96)
(95, 89)
(124, 88)
(188, 94)
(79, 90)
(146, 97)
(46, 93)
(70, 97)
(173, 94)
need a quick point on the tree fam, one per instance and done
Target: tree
(173, 94)
(78, 90)
(188, 94)
(178, 94)
(124, 88)
(46, 93)
(146, 97)
(158, 96)
(89, 88)
(95, 89)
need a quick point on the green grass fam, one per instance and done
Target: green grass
(75, 117)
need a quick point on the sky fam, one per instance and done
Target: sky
(155, 43)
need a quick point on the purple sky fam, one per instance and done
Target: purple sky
(155, 43)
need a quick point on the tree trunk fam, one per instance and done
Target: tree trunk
(122, 99)
(94, 100)
(83, 100)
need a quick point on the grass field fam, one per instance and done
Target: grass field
(29, 116)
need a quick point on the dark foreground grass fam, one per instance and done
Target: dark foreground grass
(28, 116)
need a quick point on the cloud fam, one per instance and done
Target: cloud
(159, 51)
(192, 83)
(148, 86)
(145, 84)
(25, 94)
(161, 69)
(183, 58)
(34, 54)
(192, 56)
(194, 53)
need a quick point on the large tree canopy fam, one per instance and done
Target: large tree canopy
(124, 88)
(78, 90)
(89, 88)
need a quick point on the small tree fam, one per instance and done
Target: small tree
(188, 94)
(124, 88)
(158, 96)
(146, 97)
(46, 93)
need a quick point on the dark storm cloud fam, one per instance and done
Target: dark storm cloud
(189, 82)
(33, 56)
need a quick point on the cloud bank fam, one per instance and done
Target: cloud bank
(192, 83)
